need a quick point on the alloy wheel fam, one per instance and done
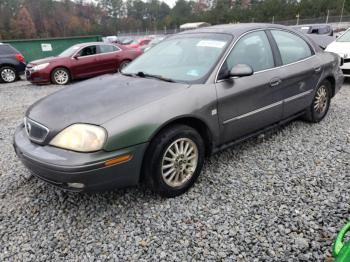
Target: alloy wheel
(321, 100)
(61, 77)
(179, 162)
(8, 75)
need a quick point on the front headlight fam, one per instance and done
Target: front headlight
(40, 67)
(81, 137)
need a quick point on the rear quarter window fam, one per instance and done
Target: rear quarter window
(7, 50)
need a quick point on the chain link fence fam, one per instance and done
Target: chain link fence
(337, 22)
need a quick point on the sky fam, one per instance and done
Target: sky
(170, 3)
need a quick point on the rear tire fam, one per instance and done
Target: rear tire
(8, 74)
(60, 76)
(320, 104)
(123, 64)
(174, 160)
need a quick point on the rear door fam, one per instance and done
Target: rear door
(87, 63)
(247, 104)
(109, 58)
(300, 71)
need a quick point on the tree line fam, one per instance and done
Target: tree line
(21, 19)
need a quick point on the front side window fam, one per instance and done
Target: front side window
(89, 50)
(254, 50)
(292, 47)
(107, 49)
(186, 58)
(70, 51)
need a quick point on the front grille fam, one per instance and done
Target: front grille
(36, 131)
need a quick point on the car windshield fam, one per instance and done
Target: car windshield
(69, 52)
(345, 37)
(185, 58)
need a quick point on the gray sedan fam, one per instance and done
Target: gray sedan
(191, 95)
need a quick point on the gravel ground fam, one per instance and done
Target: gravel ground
(279, 197)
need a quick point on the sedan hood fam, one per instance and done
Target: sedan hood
(340, 48)
(98, 100)
(47, 60)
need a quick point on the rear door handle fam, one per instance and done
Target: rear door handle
(275, 82)
(317, 69)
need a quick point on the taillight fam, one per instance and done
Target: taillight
(20, 58)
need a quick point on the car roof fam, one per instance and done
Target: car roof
(92, 43)
(234, 29)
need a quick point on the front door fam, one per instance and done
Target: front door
(247, 104)
(87, 63)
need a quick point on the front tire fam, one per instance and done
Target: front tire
(174, 160)
(60, 76)
(320, 104)
(8, 74)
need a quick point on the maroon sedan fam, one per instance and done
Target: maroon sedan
(80, 61)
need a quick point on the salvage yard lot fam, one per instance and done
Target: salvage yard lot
(281, 196)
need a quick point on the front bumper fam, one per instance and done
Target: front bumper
(66, 168)
(38, 77)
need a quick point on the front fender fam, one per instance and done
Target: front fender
(140, 125)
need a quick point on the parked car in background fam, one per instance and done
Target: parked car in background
(191, 26)
(318, 29)
(341, 46)
(125, 40)
(321, 34)
(322, 40)
(193, 94)
(12, 64)
(138, 43)
(80, 61)
(152, 43)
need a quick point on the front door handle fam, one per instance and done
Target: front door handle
(275, 82)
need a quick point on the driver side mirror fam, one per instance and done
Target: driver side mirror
(241, 70)
(76, 56)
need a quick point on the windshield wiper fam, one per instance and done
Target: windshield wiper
(142, 74)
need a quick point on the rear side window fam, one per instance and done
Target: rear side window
(6, 49)
(89, 50)
(108, 49)
(254, 50)
(292, 47)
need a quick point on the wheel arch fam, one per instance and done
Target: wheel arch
(331, 80)
(125, 59)
(9, 65)
(196, 123)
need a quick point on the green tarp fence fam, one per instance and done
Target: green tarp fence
(34, 49)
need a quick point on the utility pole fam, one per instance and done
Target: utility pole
(273, 19)
(298, 16)
(342, 12)
(327, 16)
